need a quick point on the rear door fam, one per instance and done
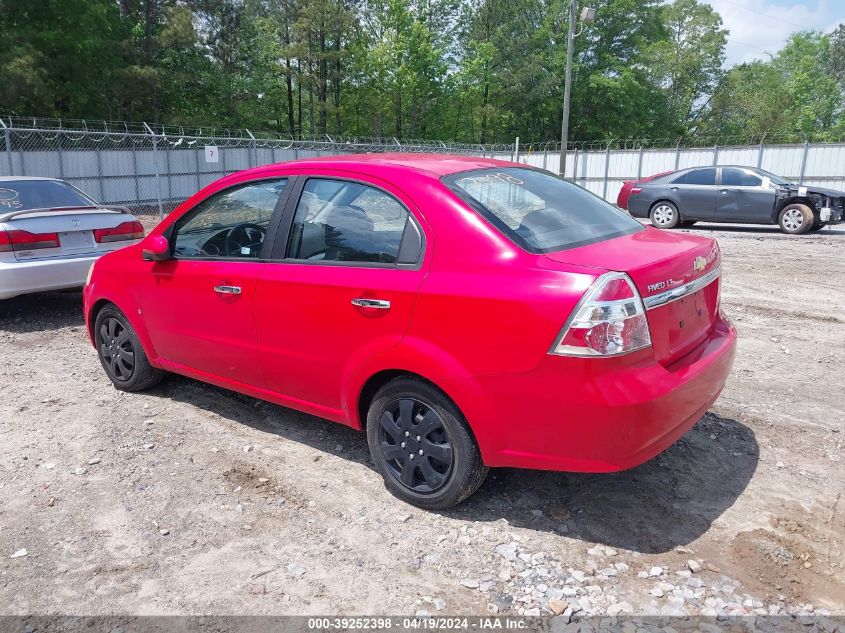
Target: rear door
(199, 304)
(743, 197)
(342, 286)
(696, 193)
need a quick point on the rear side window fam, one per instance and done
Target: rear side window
(705, 176)
(739, 178)
(345, 221)
(25, 195)
(539, 211)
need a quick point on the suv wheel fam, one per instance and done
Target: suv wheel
(121, 353)
(422, 446)
(796, 219)
(664, 215)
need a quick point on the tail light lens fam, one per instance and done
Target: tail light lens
(25, 241)
(124, 231)
(609, 320)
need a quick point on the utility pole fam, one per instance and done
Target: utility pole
(567, 89)
(588, 16)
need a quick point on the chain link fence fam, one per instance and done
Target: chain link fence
(151, 168)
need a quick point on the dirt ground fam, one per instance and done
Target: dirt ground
(190, 499)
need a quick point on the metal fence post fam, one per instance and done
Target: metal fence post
(155, 164)
(759, 156)
(135, 169)
(677, 155)
(640, 164)
(8, 134)
(516, 150)
(715, 155)
(575, 165)
(253, 150)
(606, 171)
(803, 162)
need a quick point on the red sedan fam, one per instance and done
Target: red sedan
(466, 313)
(629, 188)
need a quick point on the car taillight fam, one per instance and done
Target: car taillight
(124, 231)
(636, 190)
(25, 241)
(609, 320)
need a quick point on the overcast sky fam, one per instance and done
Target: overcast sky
(760, 26)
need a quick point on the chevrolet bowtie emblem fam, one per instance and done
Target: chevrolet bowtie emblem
(699, 263)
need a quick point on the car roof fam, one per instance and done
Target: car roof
(16, 178)
(432, 164)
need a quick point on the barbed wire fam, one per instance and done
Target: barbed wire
(84, 132)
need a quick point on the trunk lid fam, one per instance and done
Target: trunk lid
(677, 276)
(68, 233)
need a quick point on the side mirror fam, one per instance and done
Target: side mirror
(156, 249)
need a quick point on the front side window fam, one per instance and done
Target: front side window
(739, 178)
(229, 225)
(539, 211)
(344, 221)
(700, 177)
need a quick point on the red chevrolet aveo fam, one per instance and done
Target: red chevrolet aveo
(467, 313)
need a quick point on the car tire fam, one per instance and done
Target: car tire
(818, 227)
(664, 215)
(442, 465)
(796, 218)
(121, 353)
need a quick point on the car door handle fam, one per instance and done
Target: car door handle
(378, 304)
(673, 188)
(724, 191)
(227, 290)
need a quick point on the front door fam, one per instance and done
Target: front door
(743, 196)
(199, 304)
(343, 289)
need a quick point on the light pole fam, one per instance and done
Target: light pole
(588, 16)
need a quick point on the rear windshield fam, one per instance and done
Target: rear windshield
(539, 211)
(24, 195)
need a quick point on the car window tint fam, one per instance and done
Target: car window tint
(230, 224)
(679, 180)
(739, 178)
(539, 211)
(343, 221)
(701, 177)
(23, 195)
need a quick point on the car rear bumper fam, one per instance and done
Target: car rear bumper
(594, 415)
(24, 277)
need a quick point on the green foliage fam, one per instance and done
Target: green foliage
(470, 70)
(794, 95)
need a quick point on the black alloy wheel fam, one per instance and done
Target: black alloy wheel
(415, 446)
(116, 349)
(121, 353)
(422, 445)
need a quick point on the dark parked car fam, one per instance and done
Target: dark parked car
(735, 194)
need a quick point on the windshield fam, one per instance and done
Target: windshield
(539, 211)
(24, 195)
(773, 177)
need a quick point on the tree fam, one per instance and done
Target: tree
(688, 64)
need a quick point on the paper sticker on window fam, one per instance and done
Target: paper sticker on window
(245, 250)
(802, 191)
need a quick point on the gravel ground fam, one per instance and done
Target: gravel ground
(190, 499)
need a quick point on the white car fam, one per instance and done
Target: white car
(51, 233)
